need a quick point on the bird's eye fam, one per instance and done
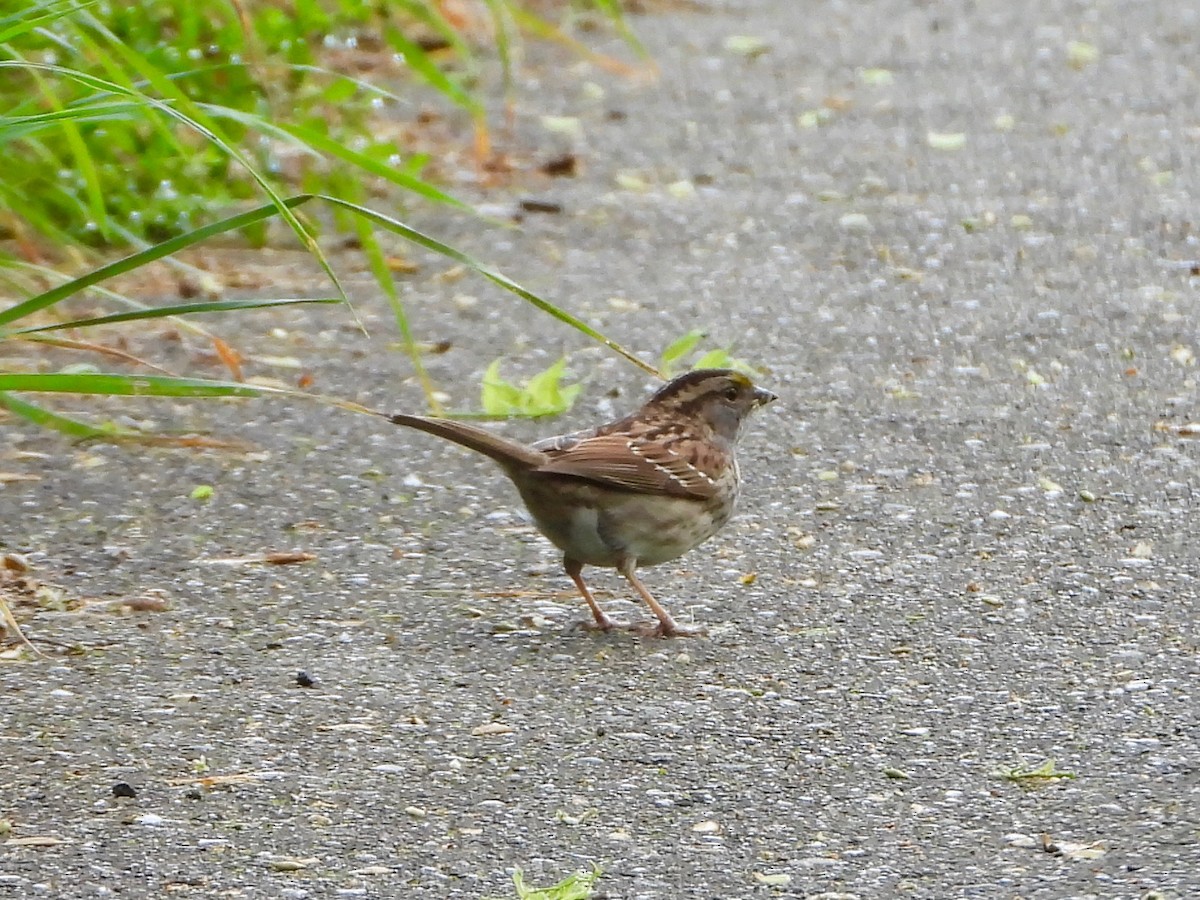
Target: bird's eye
(731, 393)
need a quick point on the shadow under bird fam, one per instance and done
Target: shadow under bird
(639, 491)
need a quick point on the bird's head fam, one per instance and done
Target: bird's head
(720, 398)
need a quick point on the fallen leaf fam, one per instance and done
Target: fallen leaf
(746, 45)
(564, 166)
(292, 864)
(286, 558)
(945, 140)
(1081, 54)
(402, 265)
(876, 76)
(778, 879)
(568, 126)
(153, 600)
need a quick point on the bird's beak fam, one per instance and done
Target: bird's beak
(762, 397)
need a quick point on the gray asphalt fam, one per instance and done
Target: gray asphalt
(970, 521)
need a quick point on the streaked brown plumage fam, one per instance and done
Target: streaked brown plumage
(639, 491)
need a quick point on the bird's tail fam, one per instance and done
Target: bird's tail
(509, 454)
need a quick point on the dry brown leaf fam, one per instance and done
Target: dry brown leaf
(230, 357)
(289, 557)
(402, 265)
(153, 600)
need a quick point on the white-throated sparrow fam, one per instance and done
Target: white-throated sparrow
(639, 491)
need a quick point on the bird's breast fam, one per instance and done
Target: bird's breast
(599, 526)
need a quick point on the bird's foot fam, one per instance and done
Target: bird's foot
(603, 626)
(669, 629)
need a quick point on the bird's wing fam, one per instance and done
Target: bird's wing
(624, 461)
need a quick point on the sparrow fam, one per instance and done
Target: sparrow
(640, 491)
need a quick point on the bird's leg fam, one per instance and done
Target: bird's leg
(574, 568)
(667, 627)
(8, 622)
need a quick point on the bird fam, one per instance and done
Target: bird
(638, 491)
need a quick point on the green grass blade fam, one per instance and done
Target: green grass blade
(18, 127)
(95, 49)
(424, 240)
(419, 62)
(108, 384)
(37, 220)
(55, 421)
(182, 309)
(325, 144)
(136, 260)
(543, 30)
(109, 295)
(375, 167)
(383, 276)
(85, 165)
(120, 60)
(431, 15)
(500, 20)
(128, 385)
(616, 15)
(38, 15)
(362, 84)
